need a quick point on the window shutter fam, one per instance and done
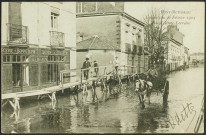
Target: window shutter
(134, 49)
(140, 50)
(127, 48)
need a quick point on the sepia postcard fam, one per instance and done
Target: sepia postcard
(102, 67)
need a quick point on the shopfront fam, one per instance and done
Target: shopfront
(53, 61)
(26, 69)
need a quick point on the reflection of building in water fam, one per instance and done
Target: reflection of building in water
(83, 114)
(23, 126)
(15, 115)
(73, 119)
(65, 118)
(128, 124)
(146, 122)
(150, 119)
(51, 122)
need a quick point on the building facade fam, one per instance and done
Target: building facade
(97, 50)
(175, 55)
(37, 43)
(186, 58)
(123, 32)
(197, 56)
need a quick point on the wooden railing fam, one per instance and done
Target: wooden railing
(78, 74)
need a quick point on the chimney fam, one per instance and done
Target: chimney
(119, 5)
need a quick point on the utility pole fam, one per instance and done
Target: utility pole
(81, 7)
(96, 7)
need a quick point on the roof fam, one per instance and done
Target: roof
(111, 13)
(95, 43)
(174, 41)
(168, 38)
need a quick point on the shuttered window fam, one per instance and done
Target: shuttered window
(14, 58)
(53, 72)
(127, 48)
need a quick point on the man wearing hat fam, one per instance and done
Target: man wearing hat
(116, 63)
(153, 74)
(96, 67)
(86, 65)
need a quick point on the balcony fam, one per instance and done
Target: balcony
(56, 39)
(17, 34)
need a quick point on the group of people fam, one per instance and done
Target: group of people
(87, 65)
(152, 72)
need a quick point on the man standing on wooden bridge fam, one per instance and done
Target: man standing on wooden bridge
(86, 66)
(116, 64)
(96, 68)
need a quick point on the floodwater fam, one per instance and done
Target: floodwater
(114, 113)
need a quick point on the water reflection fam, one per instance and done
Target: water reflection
(111, 111)
(150, 118)
(15, 115)
(21, 126)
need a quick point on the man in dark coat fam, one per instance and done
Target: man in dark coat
(165, 90)
(96, 68)
(153, 75)
(86, 65)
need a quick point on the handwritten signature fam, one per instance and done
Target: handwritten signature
(179, 118)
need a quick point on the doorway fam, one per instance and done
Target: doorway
(20, 76)
(53, 73)
(17, 77)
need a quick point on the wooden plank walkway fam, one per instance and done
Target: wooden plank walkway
(44, 90)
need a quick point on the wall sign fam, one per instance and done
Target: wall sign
(18, 51)
(53, 52)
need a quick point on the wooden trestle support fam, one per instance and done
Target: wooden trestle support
(105, 85)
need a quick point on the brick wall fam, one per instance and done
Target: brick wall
(15, 16)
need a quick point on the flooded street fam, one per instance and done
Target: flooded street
(121, 113)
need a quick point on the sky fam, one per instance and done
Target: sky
(190, 17)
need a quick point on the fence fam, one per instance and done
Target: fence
(77, 75)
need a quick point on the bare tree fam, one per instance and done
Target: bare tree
(155, 35)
